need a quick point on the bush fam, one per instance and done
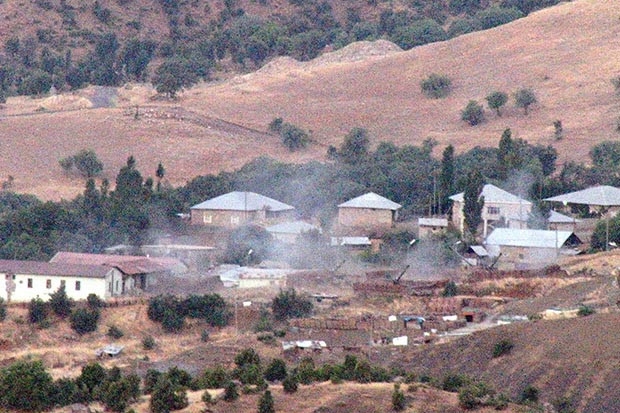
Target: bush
(276, 125)
(473, 113)
(265, 403)
(26, 386)
(496, 100)
(529, 395)
(148, 343)
(216, 378)
(502, 347)
(473, 395)
(94, 302)
(37, 311)
(172, 322)
(287, 304)
(2, 309)
(166, 397)
(524, 98)
(453, 382)
(585, 310)
(84, 321)
(495, 16)
(60, 303)
(399, 403)
(231, 393)
(289, 384)
(115, 332)
(450, 290)
(276, 370)
(293, 137)
(436, 86)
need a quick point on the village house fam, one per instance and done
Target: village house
(498, 206)
(238, 208)
(555, 221)
(138, 272)
(529, 248)
(25, 280)
(368, 210)
(430, 226)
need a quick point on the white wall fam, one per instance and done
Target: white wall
(106, 287)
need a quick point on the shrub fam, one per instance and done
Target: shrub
(37, 311)
(287, 304)
(148, 343)
(84, 321)
(399, 403)
(26, 386)
(436, 86)
(265, 403)
(502, 347)
(289, 384)
(158, 306)
(206, 397)
(524, 98)
(231, 393)
(529, 395)
(496, 100)
(115, 332)
(150, 380)
(246, 357)
(495, 16)
(66, 392)
(94, 302)
(179, 377)
(166, 397)
(276, 370)
(473, 395)
(2, 309)
(215, 378)
(276, 125)
(172, 322)
(293, 137)
(585, 310)
(92, 376)
(473, 113)
(453, 382)
(264, 322)
(60, 303)
(450, 290)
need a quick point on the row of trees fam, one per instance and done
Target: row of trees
(473, 113)
(191, 49)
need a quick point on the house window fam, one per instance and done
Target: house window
(493, 210)
(207, 219)
(48, 283)
(63, 283)
(78, 285)
(234, 220)
(117, 286)
(110, 287)
(29, 282)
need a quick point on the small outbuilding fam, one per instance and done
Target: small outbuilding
(368, 210)
(430, 226)
(288, 232)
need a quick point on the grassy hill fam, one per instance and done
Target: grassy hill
(562, 53)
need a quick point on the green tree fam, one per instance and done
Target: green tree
(290, 384)
(276, 370)
(473, 113)
(446, 178)
(355, 146)
(473, 201)
(26, 385)
(418, 33)
(436, 86)
(84, 321)
(87, 163)
(399, 402)
(230, 392)
(293, 137)
(37, 310)
(495, 16)
(173, 76)
(265, 403)
(60, 303)
(496, 100)
(288, 304)
(167, 397)
(524, 98)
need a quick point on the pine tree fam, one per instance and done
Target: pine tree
(446, 178)
(473, 201)
(265, 404)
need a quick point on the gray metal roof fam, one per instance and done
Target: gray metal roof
(531, 238)
(491, 193)
(351, 241)
(433, 222)
(370, 200)
(479, 250)
(53, 269)
(294, 227)
(603, 195)
(243, 201)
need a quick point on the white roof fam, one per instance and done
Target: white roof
(353, 241)
(370, 200)
(243, 201)
(491, 193)
(479, 250)
(433, 222)
(603, 195)
(294, 227)
(531, 238)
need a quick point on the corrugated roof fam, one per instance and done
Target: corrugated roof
(53, 269)
(370, 200)
(603, 195)
(479, 250)
(433, 222)
(243, 201)
(351, 241)
(531, 238)
(128, 264)
(294, 227)
(494, 194)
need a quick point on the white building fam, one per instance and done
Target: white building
(21, 281)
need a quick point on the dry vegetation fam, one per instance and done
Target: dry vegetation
(562, 53)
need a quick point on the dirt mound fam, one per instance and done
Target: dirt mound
(357, 51)
(280, 64)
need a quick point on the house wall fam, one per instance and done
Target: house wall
(492, 211)
(526, 258)
(360, 217)
(262, 282)
(15, 288)
(232, 219)
(426, 231)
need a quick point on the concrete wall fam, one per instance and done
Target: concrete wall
(362, 217)
(232, 219)
(14, 288)
(505, 210)
(525, 258)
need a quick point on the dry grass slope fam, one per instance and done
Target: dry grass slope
(563, 53)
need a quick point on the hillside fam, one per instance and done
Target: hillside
(562, 53)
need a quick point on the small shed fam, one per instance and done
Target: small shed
(289, 232)
(430, 226)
